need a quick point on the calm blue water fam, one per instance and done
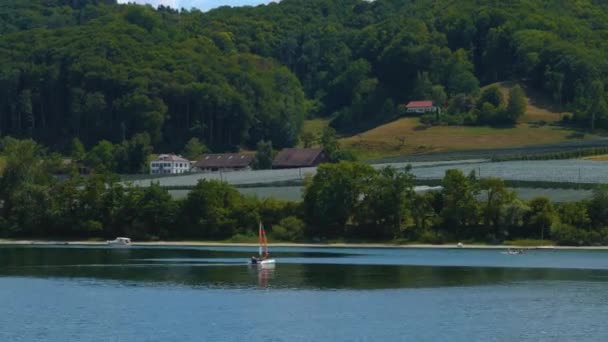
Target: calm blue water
(210, 294)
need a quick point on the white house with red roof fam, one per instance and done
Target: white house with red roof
(421, 107)
(166, 164)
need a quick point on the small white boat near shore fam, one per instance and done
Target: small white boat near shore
(119, 242)
(514, 251)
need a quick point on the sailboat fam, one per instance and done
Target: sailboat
(263, 258)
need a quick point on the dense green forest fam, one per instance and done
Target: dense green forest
(232, 77)
(347, 200)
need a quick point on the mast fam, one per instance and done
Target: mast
(265, 241)
(260, 234)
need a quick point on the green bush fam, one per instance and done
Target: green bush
(290, 228)
(432, 237)
(568, 235)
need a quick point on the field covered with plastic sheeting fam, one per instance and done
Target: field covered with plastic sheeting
(571, 170)
(559, 171)
(267, 176)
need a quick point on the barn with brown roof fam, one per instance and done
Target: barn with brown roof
(291, 158)
(224, 162)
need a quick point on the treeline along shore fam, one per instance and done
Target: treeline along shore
(347, 201)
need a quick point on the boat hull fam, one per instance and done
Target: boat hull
(118, 245)
(267, 262)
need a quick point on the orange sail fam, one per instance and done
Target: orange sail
(263, 242)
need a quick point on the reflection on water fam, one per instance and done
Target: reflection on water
(264, 274)
(303, 268)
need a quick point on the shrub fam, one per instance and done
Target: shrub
(568, 235)
(431, 237)
(290, 228)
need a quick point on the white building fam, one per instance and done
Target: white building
(421, 107)
(169, 164)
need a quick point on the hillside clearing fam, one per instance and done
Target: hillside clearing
(540, 107)
(408, 136)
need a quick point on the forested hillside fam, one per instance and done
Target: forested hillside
(231, 77)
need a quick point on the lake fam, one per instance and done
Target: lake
(80, 293)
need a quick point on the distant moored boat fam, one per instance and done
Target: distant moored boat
(119, 242)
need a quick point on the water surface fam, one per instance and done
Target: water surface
(313, 294)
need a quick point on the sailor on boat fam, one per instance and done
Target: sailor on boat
(255, 260)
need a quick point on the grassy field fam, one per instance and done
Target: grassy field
(603, 157)
(407, 136)
(540, 108)
(386, 140)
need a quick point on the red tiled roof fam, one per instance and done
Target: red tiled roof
(171, 157)
(297, 157)
(224, 160)
(420, 104)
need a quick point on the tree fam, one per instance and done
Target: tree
(132, 155)
(290, 228)
(23, 180)
(598, 207)
(331, 198)
(386, 204)
(329, 141)
(308, 139)
(101, 157)
(423, 88)
(542, 215)
(156, 213)
(263, 156)
(516, 106)
(210, 211)
(488, 114)
(194, 149)
(461, 103)
(438, 95)
(459, 206)
(597, 103)
(491, 95)
(77, 150)
(497, 197)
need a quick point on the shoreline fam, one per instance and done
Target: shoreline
(289, 244)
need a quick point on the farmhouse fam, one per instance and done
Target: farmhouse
(421, 107)
(291, 158)
(224, 162)
(169, 164)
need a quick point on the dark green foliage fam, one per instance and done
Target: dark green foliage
(212, 210)
(263, 156)
(344, 200)
(541, 216)
(308, 139)
(329, 141)
(458, 206)
(516, 106)
(290, 228)
(333, 195)
(386, 205)
(77, 151)
(491, 95)
(235, 76)
(194, 149)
